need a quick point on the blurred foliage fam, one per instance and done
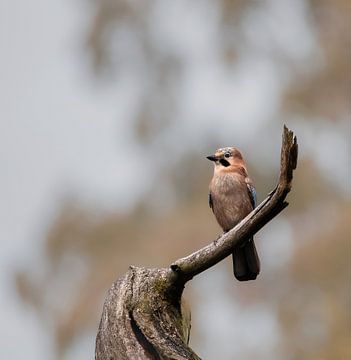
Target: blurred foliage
(326, 91)
(86, 250)
(315, 309)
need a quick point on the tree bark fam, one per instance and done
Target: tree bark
(143, 316)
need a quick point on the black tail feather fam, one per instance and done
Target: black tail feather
(246, 262)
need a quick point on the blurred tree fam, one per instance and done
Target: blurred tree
(315, 317)
(325, 92)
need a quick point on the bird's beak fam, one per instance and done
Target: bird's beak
(212, 157)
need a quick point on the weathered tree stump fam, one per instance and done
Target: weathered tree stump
(143, 317)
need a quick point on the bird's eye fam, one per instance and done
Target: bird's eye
(227, 155)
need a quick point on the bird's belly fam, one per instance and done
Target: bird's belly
(231, 207)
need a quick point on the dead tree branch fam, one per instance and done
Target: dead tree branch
(211, 254)
(143, 317)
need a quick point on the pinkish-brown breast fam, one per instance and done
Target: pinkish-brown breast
(230, 199)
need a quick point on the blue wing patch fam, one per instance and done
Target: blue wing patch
(252, 194)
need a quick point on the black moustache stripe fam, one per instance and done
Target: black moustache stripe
(224, 162)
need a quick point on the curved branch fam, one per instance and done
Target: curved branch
(143, 317)
(192, 265)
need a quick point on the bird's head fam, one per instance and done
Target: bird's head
(225, 158)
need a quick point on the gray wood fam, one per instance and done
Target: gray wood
(143, 316)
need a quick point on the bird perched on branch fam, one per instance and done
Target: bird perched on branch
(232, 196)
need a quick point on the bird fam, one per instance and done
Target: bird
(232, 196)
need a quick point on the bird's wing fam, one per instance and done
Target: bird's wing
(252, 192)
(210, 201)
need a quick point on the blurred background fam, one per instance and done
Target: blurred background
(108, 108)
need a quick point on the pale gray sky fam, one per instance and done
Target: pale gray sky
(57, 134)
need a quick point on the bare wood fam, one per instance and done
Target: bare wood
(143, 317)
